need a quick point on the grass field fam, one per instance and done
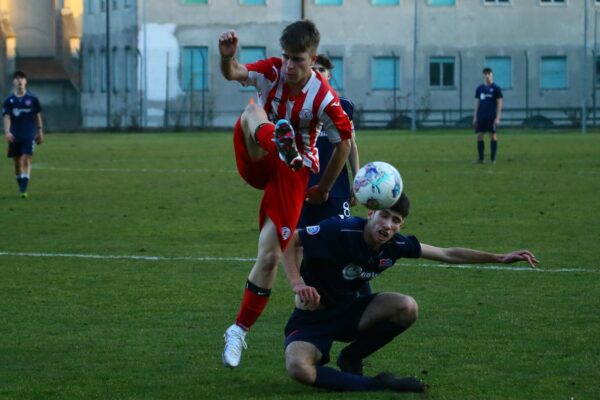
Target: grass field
(121, 271)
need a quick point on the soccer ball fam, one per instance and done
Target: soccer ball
(377, 185)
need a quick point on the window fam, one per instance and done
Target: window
(442, 2)
(253, 2)
(552, 1)
(385, 2)
(102, 70)
(91, 78)
(194, 1)
(115, 70)
(194, 68)
(496, 1)
(89, 4)
(128, 69)
(249, 55)
(385, 73)
(328, 2)
(337, 73)
(553, 73)
(127, 3)
(598, 70)
(115, 4)
(502, 70)
(103, 5)
(441, 72)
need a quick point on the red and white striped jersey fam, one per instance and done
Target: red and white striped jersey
(316, 107)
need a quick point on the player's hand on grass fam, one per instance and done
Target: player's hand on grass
(308, 295)
(520, 255)
(228, 43)
(314, 195)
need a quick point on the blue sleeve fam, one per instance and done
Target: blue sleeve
(498, 92)
(37, 107)
(477, 92)
(6, 107)
(348, 107)
(406, 246)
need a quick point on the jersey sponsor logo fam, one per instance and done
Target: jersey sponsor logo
(305, 113)
(386, 262)
(18, 111)
(336, 104)
(286, 233)
(28, 102)
(313, 230)
(353, 271)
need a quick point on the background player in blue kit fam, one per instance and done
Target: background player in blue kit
(339, 256)
(340, 197)
(22, 128)
(486, 118)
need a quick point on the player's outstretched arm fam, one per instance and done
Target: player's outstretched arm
(460, 255)
(231, 68)
(308, 295)
(320, 193)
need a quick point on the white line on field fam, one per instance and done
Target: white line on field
(245, 259)
(142, 170)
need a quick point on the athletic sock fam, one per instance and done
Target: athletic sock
(480, 149)
(494, 149)
(24, 182)
(372, 340)
(329, 378)
(264, 136)
(254, 301)
(19, 182)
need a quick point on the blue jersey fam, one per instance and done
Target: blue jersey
(338, 262)
(341, 186)
(22, 112)
(488, 100)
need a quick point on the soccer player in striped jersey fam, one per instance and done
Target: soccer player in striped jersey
(274, 143)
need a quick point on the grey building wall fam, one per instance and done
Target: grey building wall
(468, 32)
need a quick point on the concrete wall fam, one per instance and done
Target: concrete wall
(469, 32)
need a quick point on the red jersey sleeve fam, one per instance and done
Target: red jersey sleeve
(263, 72)
(336, 122)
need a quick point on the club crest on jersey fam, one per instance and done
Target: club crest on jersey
(305, 113)
(386, 262)
(27, 102)
(286, 233)
(313, 230)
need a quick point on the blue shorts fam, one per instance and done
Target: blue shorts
(322, 327)
(21, 147)
(312, 214)
(485, 125)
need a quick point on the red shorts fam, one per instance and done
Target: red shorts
(284, 189)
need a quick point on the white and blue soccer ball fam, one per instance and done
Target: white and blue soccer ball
(377, 185)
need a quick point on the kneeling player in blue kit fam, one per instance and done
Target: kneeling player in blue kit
(340, 255)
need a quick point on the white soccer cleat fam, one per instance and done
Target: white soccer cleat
(234, 342)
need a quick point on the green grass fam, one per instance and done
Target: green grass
(108, 328)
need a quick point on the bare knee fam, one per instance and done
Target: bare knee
(407, 310)
(249, 116)
(301, 370)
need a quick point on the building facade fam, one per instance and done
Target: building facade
(159, 65)
(42, 38)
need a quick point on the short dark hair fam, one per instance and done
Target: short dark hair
(300, 36)
(19, 74)
(402, 205)
(324, 61)
(487, 70)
